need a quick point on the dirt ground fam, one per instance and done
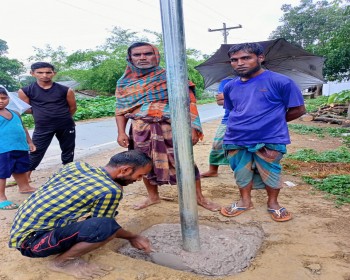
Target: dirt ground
(314, 245)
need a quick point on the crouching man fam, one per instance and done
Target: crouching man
(47, 222)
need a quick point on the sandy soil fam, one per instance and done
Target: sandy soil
(314, 245)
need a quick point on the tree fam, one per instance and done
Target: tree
(57, 57)
(194, 58)
(321, 27)
(121, 37)
(96, 70)
(10, 69)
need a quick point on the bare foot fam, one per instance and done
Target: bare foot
(27, 190)
(207, 204)
(145, 203)
(79, 268)
(209, 173)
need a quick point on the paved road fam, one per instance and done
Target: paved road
(99, 135)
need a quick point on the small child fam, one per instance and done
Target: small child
(14, 145)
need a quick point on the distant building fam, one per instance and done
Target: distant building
(335, 87)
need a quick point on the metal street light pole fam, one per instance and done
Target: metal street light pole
(177, 84)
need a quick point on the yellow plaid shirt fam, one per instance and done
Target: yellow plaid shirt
(76, 190)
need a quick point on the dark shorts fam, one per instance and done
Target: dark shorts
(45, 243)
(13, 162)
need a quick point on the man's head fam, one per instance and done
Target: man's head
(127, 167)
(42, 71)
(4, 98)
(143, 55)
(246, 59)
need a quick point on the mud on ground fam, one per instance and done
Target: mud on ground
(314, 245)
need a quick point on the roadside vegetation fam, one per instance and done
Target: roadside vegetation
(337, 186)
(327, 171)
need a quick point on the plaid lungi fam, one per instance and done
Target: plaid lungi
(258, 163)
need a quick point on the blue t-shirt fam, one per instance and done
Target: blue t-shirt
(13, 136)
(220, 90)
(258, 109)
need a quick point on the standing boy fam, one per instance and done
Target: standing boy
(14, 145)
(53, 107)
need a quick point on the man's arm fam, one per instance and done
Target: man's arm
(32, 147)
(72, 103)
(295, 112)
(123, 139)
(24, 98)
(137, 241)
(220, 98)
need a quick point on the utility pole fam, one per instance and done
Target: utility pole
(224, 29)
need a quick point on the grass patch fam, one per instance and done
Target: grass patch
(206, 100)
(341, 154)
(336, 185)
(319, 131)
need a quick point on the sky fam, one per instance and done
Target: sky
(85, 24)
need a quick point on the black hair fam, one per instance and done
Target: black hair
(136, 45)
(133, 158)
(254, 48)
(3, 91)
(38, 65)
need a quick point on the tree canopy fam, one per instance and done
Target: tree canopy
(9, 69)
(96, 69)
(322, 27)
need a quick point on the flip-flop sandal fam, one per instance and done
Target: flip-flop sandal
(234, 210)
(11, 184)
(6, 203)
(278, 213)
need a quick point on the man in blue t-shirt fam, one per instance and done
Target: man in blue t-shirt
(260, 102)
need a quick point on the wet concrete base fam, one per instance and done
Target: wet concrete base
(224, 251)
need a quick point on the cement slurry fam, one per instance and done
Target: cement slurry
(224, 251)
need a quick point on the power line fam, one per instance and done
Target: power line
(212, 10)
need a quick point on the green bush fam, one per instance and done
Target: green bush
(342, 97)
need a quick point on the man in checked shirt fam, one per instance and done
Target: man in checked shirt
(47, 222)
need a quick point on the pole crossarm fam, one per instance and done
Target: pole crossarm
(224, 29)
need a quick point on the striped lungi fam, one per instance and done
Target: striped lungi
(217, 153)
